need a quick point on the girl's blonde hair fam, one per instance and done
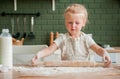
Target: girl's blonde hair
(77, 8)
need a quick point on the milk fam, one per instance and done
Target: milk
(6, 56)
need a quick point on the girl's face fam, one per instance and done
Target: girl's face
(74, 23)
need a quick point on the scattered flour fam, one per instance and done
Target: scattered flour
(55, 70)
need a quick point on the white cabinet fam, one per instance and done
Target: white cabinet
(23, 54)
(117, 58)
(112, 56)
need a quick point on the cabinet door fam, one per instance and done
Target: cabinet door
(23, 54)
(118, 58)
(112, 56)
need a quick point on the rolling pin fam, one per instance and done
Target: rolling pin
(70, 64)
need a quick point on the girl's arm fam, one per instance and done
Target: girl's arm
(45, 52)
(102, 52)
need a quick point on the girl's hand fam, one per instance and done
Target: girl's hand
(106, 59)
(34, 60)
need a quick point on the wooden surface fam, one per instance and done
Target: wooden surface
(114, 50)
(70, 64)
(107, 73)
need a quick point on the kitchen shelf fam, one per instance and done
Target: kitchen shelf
(15, 5)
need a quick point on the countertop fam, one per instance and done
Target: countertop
(113, 50)
(106, 73)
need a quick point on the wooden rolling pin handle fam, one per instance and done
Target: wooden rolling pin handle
(51, 38)
(57, 34)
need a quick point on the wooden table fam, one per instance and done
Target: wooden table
(114, 50)
(107, 73)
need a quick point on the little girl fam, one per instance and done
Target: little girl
(74, 44)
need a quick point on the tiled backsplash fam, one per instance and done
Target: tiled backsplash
(104, 19)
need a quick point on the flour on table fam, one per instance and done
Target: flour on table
(55, 70)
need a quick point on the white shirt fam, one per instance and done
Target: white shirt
(74, 49)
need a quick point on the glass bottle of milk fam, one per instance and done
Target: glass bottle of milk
(6, 55)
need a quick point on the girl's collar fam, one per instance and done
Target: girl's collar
(81, 34)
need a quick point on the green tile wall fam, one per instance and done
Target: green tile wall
(104, 19)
